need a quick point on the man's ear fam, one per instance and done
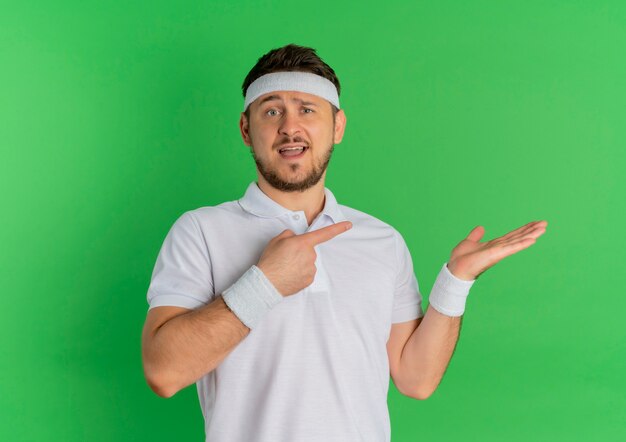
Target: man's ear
(340, 126)
(244, 128)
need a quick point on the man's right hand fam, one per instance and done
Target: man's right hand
(288, 261)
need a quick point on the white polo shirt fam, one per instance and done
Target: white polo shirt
(316, 367)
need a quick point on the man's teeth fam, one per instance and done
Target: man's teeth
(291, 148)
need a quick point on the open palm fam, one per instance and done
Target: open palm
(470, 257)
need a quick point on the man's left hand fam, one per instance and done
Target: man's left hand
(470, 257)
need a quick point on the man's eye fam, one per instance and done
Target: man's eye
(308, 109)
(271, 110)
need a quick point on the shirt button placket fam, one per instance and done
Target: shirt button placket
(320, 283)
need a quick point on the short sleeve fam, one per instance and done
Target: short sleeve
(182, 273)
(407, 304)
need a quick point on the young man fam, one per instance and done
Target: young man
(289, 310)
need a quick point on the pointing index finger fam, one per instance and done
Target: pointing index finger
(325, 233)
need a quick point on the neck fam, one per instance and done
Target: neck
(311, 201)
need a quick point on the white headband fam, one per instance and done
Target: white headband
(292, 81)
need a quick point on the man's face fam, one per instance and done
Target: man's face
(287, 119)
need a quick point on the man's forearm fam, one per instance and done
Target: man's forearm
(190, 345)
(428, 351)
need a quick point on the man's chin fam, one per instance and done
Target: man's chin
(293, 184)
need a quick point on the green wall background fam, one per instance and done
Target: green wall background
(115, 118)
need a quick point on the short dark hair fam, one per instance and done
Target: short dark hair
(291, 58)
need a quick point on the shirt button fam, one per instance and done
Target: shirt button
(296, 217)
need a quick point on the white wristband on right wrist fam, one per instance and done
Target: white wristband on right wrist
(252, 297)
(449, 293)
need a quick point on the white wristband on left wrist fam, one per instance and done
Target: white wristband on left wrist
(449, 293)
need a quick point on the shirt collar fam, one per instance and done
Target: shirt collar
(258, 203)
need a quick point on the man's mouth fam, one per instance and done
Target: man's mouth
(293, 151)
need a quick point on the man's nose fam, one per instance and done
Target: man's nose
(290, 124)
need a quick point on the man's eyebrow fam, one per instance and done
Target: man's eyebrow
(276, 97)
